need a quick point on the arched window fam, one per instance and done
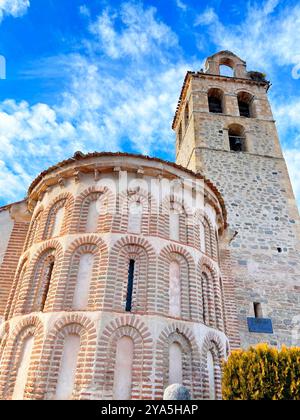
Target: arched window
(226, 70)
(123, 369)
(202, 237)
(23, 368)
(175, 364)
(92, 217)
(135, 217)
(55, 220)
(174, 224)
(237, 138)
(174, 290)
(32, 236)
(84, 276)
(215, 101)
(68, 365)
(130, 285)
(58, 221)
(206, 298)
(43, 276)
(226, 67)
(211, 376)
(245, 103)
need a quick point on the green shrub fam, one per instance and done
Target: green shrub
(262, 373)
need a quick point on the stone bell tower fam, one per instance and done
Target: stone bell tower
(225, 129)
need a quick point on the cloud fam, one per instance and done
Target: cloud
(121, 94)
(15, 8)
(292, 157)
(139, 34)
(181, 5)
(268, 35)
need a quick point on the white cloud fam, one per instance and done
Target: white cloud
(122, 94)
(141, 32)
(13, 8)
(292, 157)
(181, 5)
(268, 35)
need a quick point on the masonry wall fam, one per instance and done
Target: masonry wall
(200, 327)
(14, 227)
(262, 213)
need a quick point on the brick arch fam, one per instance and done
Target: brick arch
(212, 294)
(65, 200)
(65, 287)
(137, 330)
(139, 249)
(212, 343)
(198, 219)
(191, 360)
(29, 326)
(121, 217)
(34, 231)
(186, 231)
(189, 310)
(52, 353)
(81, 209)
(4, 334)
(17, 285)
(210, 238)
(28, 287)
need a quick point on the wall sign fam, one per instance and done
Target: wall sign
(260, 325)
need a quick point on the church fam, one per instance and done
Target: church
(121, 274)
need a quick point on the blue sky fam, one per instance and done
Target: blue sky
(105, 75)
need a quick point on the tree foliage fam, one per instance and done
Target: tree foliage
(262, 373)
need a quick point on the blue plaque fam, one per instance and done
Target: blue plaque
(260, 325)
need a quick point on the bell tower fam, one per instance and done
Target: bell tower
(225, 129)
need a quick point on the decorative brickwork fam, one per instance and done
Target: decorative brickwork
(105, 204)
(11, 260)
(73, 286)
(34, 280)
(138, 249)
(29, 326)
(106, 356)
(188, 281)
(213, 344)
(80, 325)
(68, 277)
(178, 333)
(64, 200)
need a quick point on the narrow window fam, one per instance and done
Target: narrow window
(92, 218)
(68, 365)
(180, 135)
(46, 285)
(175, 364)
(23, 369)
(174, 225)
(82, 289)
(186, 116)
(58, 221)
(135, 218)
(258, 310)
(211, 376)
(174, 290)
(123, 369)
(130, 285)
